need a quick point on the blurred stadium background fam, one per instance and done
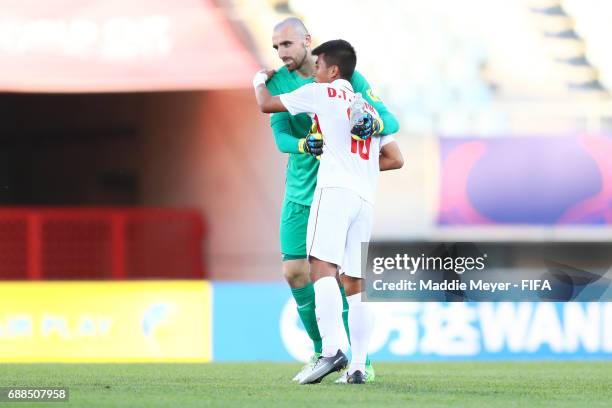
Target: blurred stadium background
(141, 187)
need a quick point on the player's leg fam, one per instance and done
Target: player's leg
(370, 374)
(361, 322)
(326, 238)
(369, 370)
(296, 274)
(351, 251)
(345, 310)
(293, 225)
(361, 319)
(329, 314)
(328, 304)
(330, 217)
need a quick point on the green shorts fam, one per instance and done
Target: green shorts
(293, 225)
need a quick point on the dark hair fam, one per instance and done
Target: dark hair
(340, 53)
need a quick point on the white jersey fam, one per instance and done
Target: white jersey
(345, 162)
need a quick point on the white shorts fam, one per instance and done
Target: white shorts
(340, 220)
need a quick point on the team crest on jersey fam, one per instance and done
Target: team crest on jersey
(372, 96)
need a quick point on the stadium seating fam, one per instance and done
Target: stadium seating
(455, 68)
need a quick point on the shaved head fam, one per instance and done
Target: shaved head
(291, 41)
(294, 23)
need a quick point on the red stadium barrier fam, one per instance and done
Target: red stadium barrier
(100, 243)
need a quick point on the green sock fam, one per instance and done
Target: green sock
(305, 299)
(345, 312)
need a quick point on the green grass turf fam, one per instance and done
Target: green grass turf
(487, 384)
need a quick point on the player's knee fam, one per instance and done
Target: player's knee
(352, 285)
(296, 273)
(320, 269)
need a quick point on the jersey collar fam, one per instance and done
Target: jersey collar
(339, 83)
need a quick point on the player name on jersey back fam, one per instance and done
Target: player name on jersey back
(346, 162)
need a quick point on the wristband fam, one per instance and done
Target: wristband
(260, 78)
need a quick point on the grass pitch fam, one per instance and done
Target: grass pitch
(487, 384)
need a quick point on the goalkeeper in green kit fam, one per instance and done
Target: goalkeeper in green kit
(297, 136)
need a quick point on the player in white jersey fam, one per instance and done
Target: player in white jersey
(342, 209)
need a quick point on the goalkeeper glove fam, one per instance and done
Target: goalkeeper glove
(368, 126)
(311, 144)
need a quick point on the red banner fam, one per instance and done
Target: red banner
(110, 46)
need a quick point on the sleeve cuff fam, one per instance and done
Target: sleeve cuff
(381, 126)
(283, 99)
(385, 140)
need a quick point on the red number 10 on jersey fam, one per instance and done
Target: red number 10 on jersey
(362, 147)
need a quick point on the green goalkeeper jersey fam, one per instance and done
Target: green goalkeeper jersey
(302, 169)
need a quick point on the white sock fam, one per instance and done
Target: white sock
(361, 323)
(328, 307)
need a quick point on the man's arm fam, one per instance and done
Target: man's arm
(302, 100)
(311, 144)
(281, 129)
(267, 103)
(390, 157)
(390, 124)
(280, 123)
(298, 101)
